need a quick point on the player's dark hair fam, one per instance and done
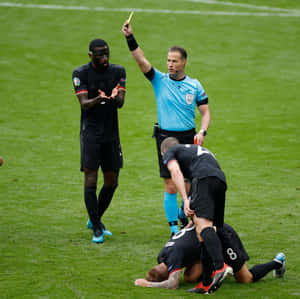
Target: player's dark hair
(167, 143)
(181, 50)
(157, 274)
(97, 43)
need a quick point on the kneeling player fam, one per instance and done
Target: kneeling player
(182, 251)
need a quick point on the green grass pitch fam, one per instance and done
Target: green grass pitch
(248, 61)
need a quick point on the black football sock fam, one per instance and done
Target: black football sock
(261, 270)
(207, 266)
(90, 199)
(213, 246)
(104, 198)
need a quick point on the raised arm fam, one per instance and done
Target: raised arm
(136, 51)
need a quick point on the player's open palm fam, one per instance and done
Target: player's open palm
(115, 91)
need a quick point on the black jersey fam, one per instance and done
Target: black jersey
(195, 161)
(181, 250)
(184, 248)
(102, 119)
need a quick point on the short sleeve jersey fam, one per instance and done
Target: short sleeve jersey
(102, 119)
(181, 250)
(176, 101)
(195, 161)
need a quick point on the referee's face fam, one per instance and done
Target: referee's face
(176, 64)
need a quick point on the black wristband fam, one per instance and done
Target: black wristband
(132, 44)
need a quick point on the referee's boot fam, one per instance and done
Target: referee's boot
(106, 232)
(279, 258)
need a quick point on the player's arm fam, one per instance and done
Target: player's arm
(118, 93)
(118, 96)
(178, 179)
(136, 51)
(205, 121)
(171, 283)
(87, 103)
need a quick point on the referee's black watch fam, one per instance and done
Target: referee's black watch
(203, 132)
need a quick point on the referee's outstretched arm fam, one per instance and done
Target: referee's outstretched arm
(136, 51)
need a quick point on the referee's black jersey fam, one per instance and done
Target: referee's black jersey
(102, 119)
(195, 161)
(181, 250)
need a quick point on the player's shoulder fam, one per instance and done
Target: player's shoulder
(117, 67)
(82, 69)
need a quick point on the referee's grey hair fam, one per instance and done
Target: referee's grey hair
(167, 143)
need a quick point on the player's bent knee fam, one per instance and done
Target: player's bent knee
(243, 275)
(170, 186)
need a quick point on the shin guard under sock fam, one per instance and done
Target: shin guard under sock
(90, 199)
(104, 198)
(213, 246)
(207, 264)
(171, 210)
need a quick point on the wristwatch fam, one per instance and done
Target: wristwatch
(203, 132)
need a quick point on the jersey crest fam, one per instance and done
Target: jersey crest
(76, 81)
(189, 98)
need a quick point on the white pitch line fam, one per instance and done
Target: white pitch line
(156, 11)
(247, 6)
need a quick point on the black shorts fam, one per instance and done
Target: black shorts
(234, 252)
(208, 199)
(95, 153)
(184, 137)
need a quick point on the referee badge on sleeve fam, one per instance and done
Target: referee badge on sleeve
(189, 98)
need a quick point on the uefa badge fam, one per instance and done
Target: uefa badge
(76, 81)
(189, 98)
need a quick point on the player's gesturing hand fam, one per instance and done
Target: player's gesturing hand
(114, 92)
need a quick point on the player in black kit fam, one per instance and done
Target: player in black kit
(184, 249)
(100, 88)
(208, 187)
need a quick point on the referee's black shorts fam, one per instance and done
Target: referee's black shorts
(95, 153)
(234, 252)
(208, 199)
(184, 137)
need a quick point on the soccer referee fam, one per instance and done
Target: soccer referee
(100, 88)
(177, 96)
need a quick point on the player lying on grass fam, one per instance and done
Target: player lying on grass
(182, 251)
